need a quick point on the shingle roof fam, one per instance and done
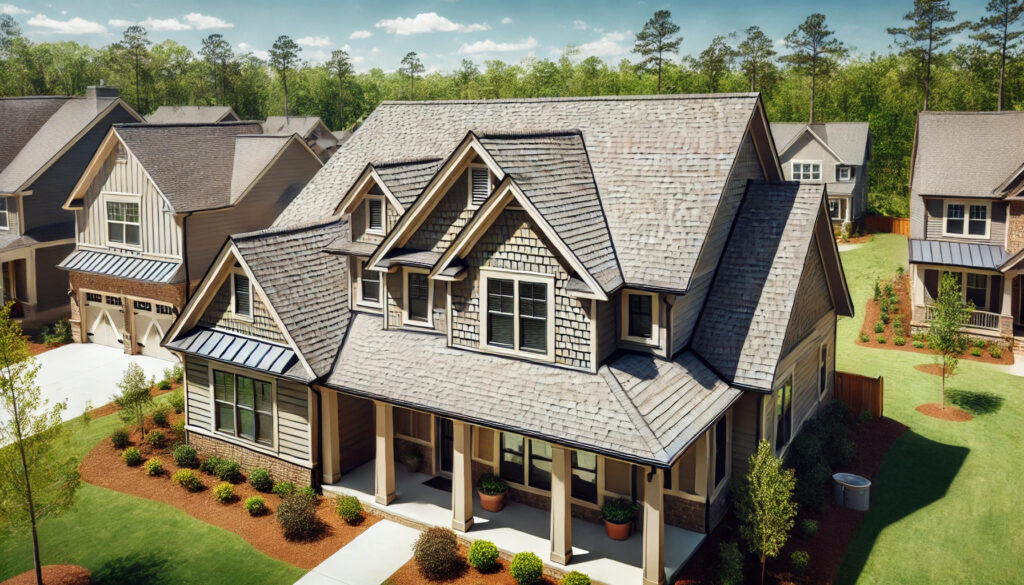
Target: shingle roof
(301, 125)
(192, 115)
(746, 315)
(969, 255)
(406, 179)
(966, 154)
(23, 117)
(123, 266)
(252, 156)
(660, 163)
(12, 240)
(848, 139)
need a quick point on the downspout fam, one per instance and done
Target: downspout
(316, 480)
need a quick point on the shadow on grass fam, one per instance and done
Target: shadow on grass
(976, 403)
(132, 570)
(916, 472)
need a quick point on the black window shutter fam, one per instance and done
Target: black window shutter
(242, 304)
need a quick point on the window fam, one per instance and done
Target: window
(969, 220)
(540, 464)
(93, 297)
(977, 290)
(533, 316)
(500, 312)
(418, 297)
(518, 313)
(823, 368)
(584, 476)
(413, 424)
(806, 171)
(844, 173)
(375, 215)
(123, 225)
(721, 450)
(164, 310)
(142, 306)
(241, 295)
(369, 285)
(3, 213)
(513, 454)
(784, 414)
(244, 407)
(121, 153)
(835, 209)
(114, 301)
(640, 316)
(224, 396)
(977, 221)
(479, 183)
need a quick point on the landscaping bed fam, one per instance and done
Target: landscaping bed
(409, 574)
(54, 575)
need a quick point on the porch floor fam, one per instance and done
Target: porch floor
(521, 528)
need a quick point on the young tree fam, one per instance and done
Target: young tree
(756, 53)
(217, 54)
(715, 61)
(341, 66)
(284, 55)
(36, 482)
(814, 51)
(659, 36)
(999, 31)
(946, 330)
(927, 34)
(134, 398)
(764, 504)
(411, 66)
(135, 43)
(466, 75)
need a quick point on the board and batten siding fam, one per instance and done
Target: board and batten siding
(934, 216)
(161, 231)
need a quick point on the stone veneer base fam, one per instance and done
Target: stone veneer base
(249, 459)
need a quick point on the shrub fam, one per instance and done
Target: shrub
(878, 291)
(154, 467)
(297, 516)
(880, 338)
(730, 564)
(979, 343)
(120, 438)
(619, 511)
(798, 560)
(259, 479)
(919, 344)
(155, 438)
(995, 351)
(435, 553)
(177, 401)
(491, 484)
(177, 373)
(309, 492)
(163, 385)
(865, 416)
(976, 351)
(178, 428)
(917, 336)
(132, 457)
(864, 338)
(809, 528)
(224, 492)
(187, 479)
(899, 340)
(526, 568)
(209, 465)
(349, 509)
(879, 327)
(160, 416)
(284, 488)
(888, 290)
(226, 470)
(185, 456)
(575, 578)
(483, 556)
(255, 506)
(885, 318)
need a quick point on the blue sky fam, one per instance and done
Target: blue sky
(378, 34)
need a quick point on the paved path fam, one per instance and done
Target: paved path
(1017, 368)
(369, 559)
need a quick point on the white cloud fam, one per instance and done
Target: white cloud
(358, 59)
(506, 20)
(164, 24)
(318, 56)
(489, 46)
(361, 34)
(609, 45)
(15, 10)
(315, 41)
(120, 22)
(74, 26)
(426, 22)
(192, 20)
(203, 21)
(259, 54)
(579, 25)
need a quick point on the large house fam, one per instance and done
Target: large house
(152, 210)
(835, 154)
(45, 144)
(967, 217)
(593, 298)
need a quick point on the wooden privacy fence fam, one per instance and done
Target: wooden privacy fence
(887, 225)
(860, 393)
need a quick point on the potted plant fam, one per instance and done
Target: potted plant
(412, 457)
(492, 492)
(618, 518)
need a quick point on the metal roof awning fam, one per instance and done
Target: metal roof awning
(983, 256)
(235, 349)
(117, 265)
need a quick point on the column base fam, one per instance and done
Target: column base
(561, 558)
(649, 582)
(384, 500)
(462, 525)
(329, 478)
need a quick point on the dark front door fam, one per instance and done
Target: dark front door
(445, 445)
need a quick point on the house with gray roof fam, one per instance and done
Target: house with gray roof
(312, 129)
(834, 154)
(45, 145)
(151, 212)
(967, 217)
(593, 298)
(192, 115)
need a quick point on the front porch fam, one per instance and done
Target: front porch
(997, 298)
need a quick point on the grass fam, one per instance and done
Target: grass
(946, 504)
(125, 539)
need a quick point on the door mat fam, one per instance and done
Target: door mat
(439, 483)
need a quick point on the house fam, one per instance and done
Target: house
(311, 128)
(151, 212)
(192, 114)
(835, 154)
(967, 217)
(592, 297)
(45, 144)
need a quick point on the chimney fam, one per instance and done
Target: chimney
(94, 93)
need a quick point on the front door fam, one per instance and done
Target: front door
(445, 445)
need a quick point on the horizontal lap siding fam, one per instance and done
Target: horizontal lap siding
(198, 395)
(803, 362)
(934, 210)
(744, 431)
(293, 433)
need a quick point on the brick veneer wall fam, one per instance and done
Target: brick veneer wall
(684, 513)
(249, 459)
(172, 294)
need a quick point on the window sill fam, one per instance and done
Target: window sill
(547, 357)
(369, 306)
(417, 324)
(237, 317)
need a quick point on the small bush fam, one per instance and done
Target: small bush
(163, 385)
(885, 318)
(878, 291)
(919, 344)
(349, 509)
(864, 337)
(209, 465)
(224, 492)
(160, 416)
(284, 488)
(59, 333)
(187, 479)
(259, 479)
(917, 336)
(899, 340)
(309, 492)
(879, 327)
(809, 528)
(155, 438)
(435, 553)
(132, 457)
(185, 456)
(297, 516)
(976, 351)
(888, 290)
(178, 428)
(798, 560)
(880, 338)
(995, 351)
(575, 578)
(177, 373)
(483, 556)
(255, 506)
(526, 568)
(730, 564)
(120, 438)
(979, 343)
(228, 471)
(177, 401)
(154, 467)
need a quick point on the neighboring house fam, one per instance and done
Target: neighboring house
(592, 297)
(45, 145)
(311, 128)
(192, 114)
(967, 217)
(152, 210)
(835, 154)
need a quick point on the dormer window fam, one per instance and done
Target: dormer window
(518, 313)
(970, 220)
(479, 183)
(418, 298)
(844, 173)
(806, 170)
(123, 226)
(369, 285)
(241, 296)
(640, 317)
(375, 215)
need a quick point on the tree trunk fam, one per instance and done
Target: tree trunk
(19, 439)
(341, 103)
(813, 83)
(1002, 73)
(659, 72)
(284, 77)
(764, 566)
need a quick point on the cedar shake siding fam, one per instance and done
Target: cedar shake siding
(445, 222)
(218, 315)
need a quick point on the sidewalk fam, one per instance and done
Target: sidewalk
(368, 560)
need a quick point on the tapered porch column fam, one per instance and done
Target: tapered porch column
(330, 443)
(561, 511)
(462, 477)
(654, 528)
(384, 464)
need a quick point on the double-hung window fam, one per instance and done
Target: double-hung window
(375, 215)
(244, 407)
(518, 312)
(4, 222)
(418, 297)
(783, 414)
(369, 285)
(976, 290)
(123, 225)
(835, 209)
(640, 317)
(241, 296)
(968, 220)
(806, 170)
(513, 457)
(844, 173)
(823, 368)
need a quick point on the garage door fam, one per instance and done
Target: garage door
(152, 320)
(103, 318)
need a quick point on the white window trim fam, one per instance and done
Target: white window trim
(6, 213)
(383, 215)
(123, 198)
(235, 313)
(844, 169)
(358, 296)
(967, 218)
(469, 181)
(516, 278)
(823, 391)
(655, 339)
(406, 321)
(235, 437)
(792, 170)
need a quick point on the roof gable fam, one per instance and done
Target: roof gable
(848, 142)
(192, 115)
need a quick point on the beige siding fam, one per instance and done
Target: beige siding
(293, 429)
(262, 325)
(445, 222)
(744, 431)
(807, 149)
(358, 221)
(934, 216)
(802, 362)
(812, 300)
(607, 329)
(198, 395)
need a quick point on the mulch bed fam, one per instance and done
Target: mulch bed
(950, 413)
(409, 574)
(54, 575)
(933, 369)
(103, 466)
(857, 240)
(836, 526)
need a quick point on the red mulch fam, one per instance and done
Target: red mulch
(901, 286)
(836, 526)
(857, 240)
(409, 574)
(950, 413)
(933, 369)
(54, 575)
(104, 467)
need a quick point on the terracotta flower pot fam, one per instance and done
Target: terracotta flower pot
(492, 503)
(413, 464)
(618, 531)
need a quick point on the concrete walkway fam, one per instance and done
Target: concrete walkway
(369, 559)
(1017, 369)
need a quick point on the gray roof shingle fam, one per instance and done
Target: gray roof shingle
(406, 179)
(192, 115)
(848, 139)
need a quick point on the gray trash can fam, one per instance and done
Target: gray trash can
(852, 491)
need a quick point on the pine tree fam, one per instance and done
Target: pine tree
(715, 61)
(999, 31)
(659, 36)
(341, 66)
(756, 53)
(412, 66)
(284, 55)
(217, 54)
(135, 43)
(814, 51)
(924, 38)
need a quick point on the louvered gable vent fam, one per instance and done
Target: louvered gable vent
(480, 181)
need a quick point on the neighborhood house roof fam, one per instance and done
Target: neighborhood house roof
(192, 114)
(966, 154)
(301, 125)
(847, 139)
(968, 255)
(122, 266)
(406, 179)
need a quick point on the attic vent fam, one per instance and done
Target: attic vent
(480, 184)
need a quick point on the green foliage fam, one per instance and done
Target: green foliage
(134, 399)
(255, 506)
(284, 488)
(575, 578)
(132, 456)
(995, 351)
(899, 340)
(174, 375)
(491, 484)
(864, 337)
(309, 492)
(730, 564)
(879, 327)
(187, 479)
(154, 467)
(878, 291)
(814, 52)
(976, 351)
(658, 37)
(260, 480)
(178, 428)
(349, 509)
(764, 504)
(979, 343)
(619, 511)
(209, 465)
(177, 401)
(160, 416)
(185, 456)
(809, 528)
(435, 553)
(946, 331)
(224, 492)
(120, 438)
(798, 560)
(163, 385)
(155, 438)
(58, 334)
(526, 568)
(919, 344)
(483, 556)
(880, 338)
(297, 516)
(230, 471)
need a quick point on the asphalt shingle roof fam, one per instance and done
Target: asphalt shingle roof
(192, 115)
(966, 154)
(406, 179)
(848, 139)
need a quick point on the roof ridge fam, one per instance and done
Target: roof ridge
(631, 411)
(226, 123)
(272, 231)
(499, 134)
(404, 162)
(610, 98)
(42, 97)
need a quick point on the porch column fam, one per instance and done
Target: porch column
(561, 507)
(384, 464)
(1007, 304)
(462, 477)
(654, 528)
(330, 436)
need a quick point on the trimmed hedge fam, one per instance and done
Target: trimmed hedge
(185, 456)
(349, 508)
(575, 578)
(154, 467)
(120, 438)
(483, 555)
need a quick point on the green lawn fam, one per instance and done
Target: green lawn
(124, 539)
(948, 503)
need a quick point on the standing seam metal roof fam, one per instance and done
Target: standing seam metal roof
(986, 256)
(121, 266)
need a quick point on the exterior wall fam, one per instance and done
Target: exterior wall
(808, 149)
(51, 282)
(745, 432)
(607, 329)
(918, 216)
(358, 219)
(686, 514)
(172, 294)
(262, 324)
(812, 300)
(445, 222)
(1015, 227)
(249, 459)
(802, 362)
(934, 210)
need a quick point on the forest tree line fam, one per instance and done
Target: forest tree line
(812, 75)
